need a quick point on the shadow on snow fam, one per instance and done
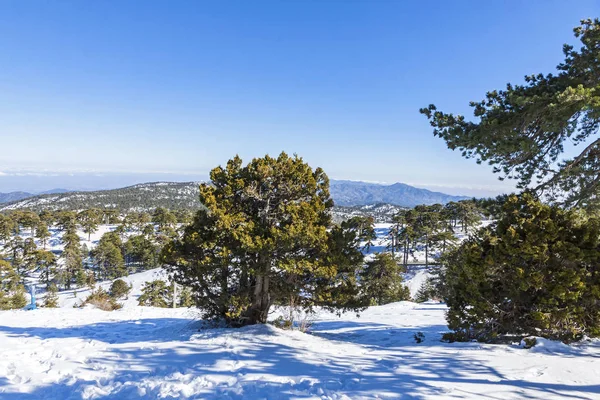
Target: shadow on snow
(251, 363)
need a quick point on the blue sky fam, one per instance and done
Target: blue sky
(170, 89)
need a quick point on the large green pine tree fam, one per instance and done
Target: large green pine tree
(263, 238)
(522, 130)
(534, 271)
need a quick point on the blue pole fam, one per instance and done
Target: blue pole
(32, 306)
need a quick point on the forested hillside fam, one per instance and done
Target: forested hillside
(184, 196)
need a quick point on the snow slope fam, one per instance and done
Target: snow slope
(150, 353)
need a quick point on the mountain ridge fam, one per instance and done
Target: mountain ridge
(184, 195)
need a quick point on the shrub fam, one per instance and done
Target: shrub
(18, 298)
(381, 280)
(419, 337)
(155, 294)
(186, 299)
(99, 298)
(119, 289)
(51, 299)
(536, 271)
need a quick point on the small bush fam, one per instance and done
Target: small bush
(51, 299)
(18, 299)
(528, 342)
(419, 337)
(119, 289)
(186, 299)
(459, 336)
(381, 280)
(99, 298)
(155, 294)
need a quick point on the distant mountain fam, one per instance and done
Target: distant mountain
(145, 196)
(55, 191)
(15, 196)
(351, 193)
(184, 195)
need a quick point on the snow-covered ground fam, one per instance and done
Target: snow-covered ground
(149, 353)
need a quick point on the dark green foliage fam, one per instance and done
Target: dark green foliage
(89, 220)
(42, 233)
(419, 337)
(522, 130)
(426, 292)
(535, 271)
(164, 219)
(51, 299)
(12, 293)
(107, 256)
(46, 264)
(381, 280)
(141, 253)
(119, 289)
(156, 294)
(73, 260)
(263, 239)
(186, 298)
(99, 298)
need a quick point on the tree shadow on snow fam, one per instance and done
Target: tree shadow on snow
(262, 362)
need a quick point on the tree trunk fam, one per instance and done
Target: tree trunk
(261, 302)
(426, 251)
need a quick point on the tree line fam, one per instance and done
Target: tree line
(132, 245)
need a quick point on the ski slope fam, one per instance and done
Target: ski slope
(153, 353)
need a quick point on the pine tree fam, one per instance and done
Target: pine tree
(7, 227)
(521, 131)
(73, 261)
(155, 294)
(119, 289)
(89, 220)
(262, 238)
(382, 280)
(107, 256)
(12, 292)
(51, 299)
(46, 263)
(534, 271)
(42, 233)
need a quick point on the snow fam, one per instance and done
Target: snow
(153, 353)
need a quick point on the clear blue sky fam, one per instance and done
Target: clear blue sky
(179, 87)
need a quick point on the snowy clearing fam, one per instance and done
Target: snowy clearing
(142, 352)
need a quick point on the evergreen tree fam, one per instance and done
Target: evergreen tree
(66, 220)
(141, 252)
(42, 233)
(28, 219)
(73, 261)
(107, 256)
(382, 280)
(12, 292)
(164, 219)
(7, 227)
(186, 299)
(534, 271)
(51, 299)
(119, 289)
(155, 294)
(46, 263)
(522, 130)
(262, 238)
(89, 220)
